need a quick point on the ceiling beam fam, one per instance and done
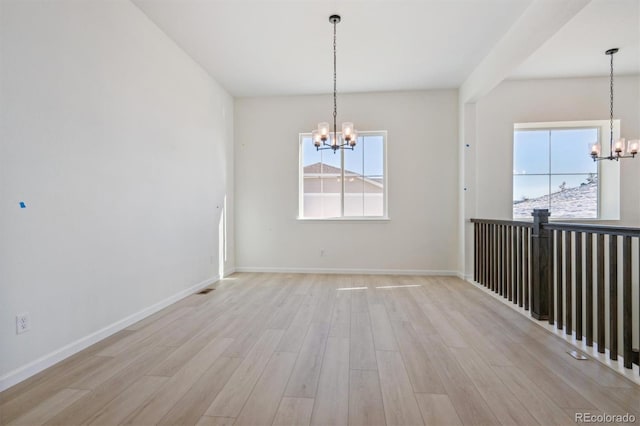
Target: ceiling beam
(539, 22)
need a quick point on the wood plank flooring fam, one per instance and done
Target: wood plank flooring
(293, 349)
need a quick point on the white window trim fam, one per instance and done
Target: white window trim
(608, 171)
(369, 219)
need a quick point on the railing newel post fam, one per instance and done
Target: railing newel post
(540, 265)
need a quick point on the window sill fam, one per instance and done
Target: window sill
(384, 219)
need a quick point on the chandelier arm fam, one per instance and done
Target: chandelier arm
(343, 146)
(614, 157)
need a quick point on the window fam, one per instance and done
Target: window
(345, 184)
(552, 169)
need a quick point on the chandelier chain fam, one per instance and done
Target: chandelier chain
(611, 105)
(335, 102)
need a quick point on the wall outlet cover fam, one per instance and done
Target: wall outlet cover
(23, 323)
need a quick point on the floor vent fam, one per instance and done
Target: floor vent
(577, 355)
(205, 291)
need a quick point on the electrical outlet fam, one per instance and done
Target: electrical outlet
(23, 323)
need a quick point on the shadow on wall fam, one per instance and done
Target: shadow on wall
(222, 238)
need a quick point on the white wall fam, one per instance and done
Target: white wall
(122, 149)
(488, 162)
(422, 178)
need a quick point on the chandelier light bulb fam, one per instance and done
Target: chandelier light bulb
(354, 138)
(317, 139)
(633, 147)
(595, 149)
(323, 130)
(347, 130)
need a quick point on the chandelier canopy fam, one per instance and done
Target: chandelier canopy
(617, 151)
(322, 137)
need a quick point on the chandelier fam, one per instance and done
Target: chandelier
(322, 136)
(616, 151)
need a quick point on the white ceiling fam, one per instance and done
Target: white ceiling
(577, 50)
(284, 47)
(268, 47)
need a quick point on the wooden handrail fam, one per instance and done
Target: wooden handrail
(594, 229)
(524, 223)
(568, 226)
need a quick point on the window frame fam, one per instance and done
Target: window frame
(608, 207)
(342, 217)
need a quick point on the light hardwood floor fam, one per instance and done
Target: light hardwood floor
(288, 349)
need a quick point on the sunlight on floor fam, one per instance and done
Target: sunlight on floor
(383, 287)
(400, 286)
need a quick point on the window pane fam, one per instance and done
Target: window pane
(574, 196)
(374, 202)
(321, 186)
(373, 157)
(354, 160)
(353, 193)
(529, 192)
(570, 150)
(309, 153)
(364, 194)
(530, 152)
(353, 185)
(353, 204)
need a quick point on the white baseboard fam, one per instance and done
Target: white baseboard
(229, 272)
(632, 374)
(463, 276)
(22, 373)
(347, 271)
